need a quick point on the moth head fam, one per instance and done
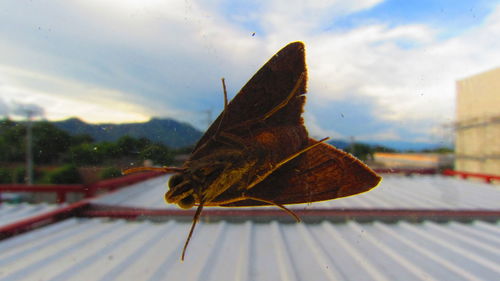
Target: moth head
(181, 192)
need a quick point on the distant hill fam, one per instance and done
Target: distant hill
(396, 145)
(176, 134)
(340, 144)
(172, 133)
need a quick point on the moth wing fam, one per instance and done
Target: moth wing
(268, 88)
(323, 173)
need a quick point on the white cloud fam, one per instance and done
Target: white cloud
(4, 108)
(29, 110)
(316, 131)
(388, 134)
(411, 84)
(62, 98)
(282, 18)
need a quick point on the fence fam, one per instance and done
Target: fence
(87, 190)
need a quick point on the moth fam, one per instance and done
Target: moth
(258, 152)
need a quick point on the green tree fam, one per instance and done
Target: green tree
(65, 174)
(159, 154)
(110, 172)
(128, 146)
(85, 154)
(49, 142)
(361, 151)
(19, 174)
(5, 175)
(380, 148)
(109, 150)
(82, 138)
(12, 141)
(440, 150)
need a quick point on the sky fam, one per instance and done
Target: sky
(378, 70)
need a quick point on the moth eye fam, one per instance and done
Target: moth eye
(186, 202)
(175, 180)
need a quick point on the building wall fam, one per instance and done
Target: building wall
(477, 140)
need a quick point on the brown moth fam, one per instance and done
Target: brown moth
(257, 152)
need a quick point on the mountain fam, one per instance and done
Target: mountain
(166, 131)
(176, 134)
(340, 144)
(396, 145)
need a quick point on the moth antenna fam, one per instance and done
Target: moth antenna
(195, 220)
(225, 107)
(288, 98)
(166, 170)
(223, 114)
(225, 93)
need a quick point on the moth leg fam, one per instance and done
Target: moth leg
(154, 169)
(242, 198)
(283, 162)
(195, 220)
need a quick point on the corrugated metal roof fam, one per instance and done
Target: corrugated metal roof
(10, 213)
(395, 191)
(97, 249)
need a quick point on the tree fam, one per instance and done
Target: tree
(64, 175)
(159, 154)
(12, 141)
(85, 154)
(82, 138)
(440, 150)
(380, 148)
(49, 142)
(128, 146)
(109, 150)
(361, 151)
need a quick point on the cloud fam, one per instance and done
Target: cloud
(23, 110)
(4, 108)
(317, 131)
(107, 60)
(163, 59)
(61, 98)
(28, 110)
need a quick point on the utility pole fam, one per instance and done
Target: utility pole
(209, 118)
(353, 145)
(29, 147)
(30, 111)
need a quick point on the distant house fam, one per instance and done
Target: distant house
(477, 125)
(413, 160)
